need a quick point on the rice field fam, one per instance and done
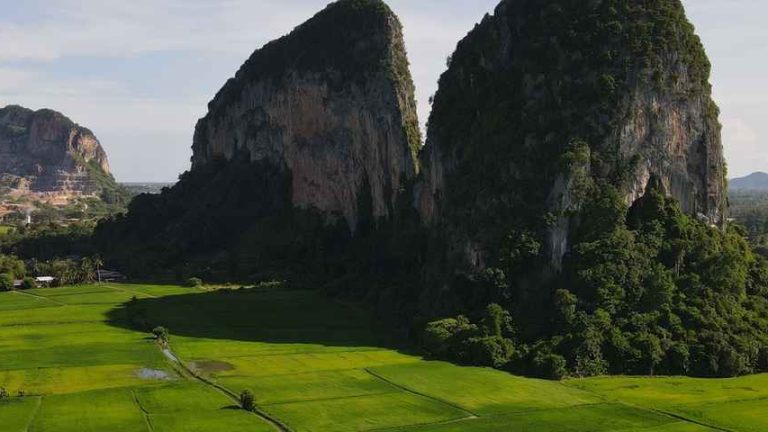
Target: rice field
(72, 360)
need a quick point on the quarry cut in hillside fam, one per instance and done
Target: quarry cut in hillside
(45, 154)
(543, 100)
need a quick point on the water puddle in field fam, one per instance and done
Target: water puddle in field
(153, 374)
(210, 366)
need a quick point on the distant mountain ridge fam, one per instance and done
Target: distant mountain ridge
(755, 181)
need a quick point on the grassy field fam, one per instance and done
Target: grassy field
(313, 365)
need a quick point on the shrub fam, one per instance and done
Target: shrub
(246, 400)
(194, 282)
(6, 282)
(678, 359)
(29, 283)
(491, 351)
(4, 393)
(550, 366)
(443, 337)
(762, 359)
(161, 334)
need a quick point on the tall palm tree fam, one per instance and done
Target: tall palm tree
(87, 270)
(98, 263)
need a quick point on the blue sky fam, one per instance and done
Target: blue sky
(140, 72)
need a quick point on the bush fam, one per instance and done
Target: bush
(29, 283)
(6, 282)
(247, 400)
(678, 359)
(194, 282)
(491, 351)
(443, 337)
(161, 334)
(4, 393)
(762, 359)
(550, 366)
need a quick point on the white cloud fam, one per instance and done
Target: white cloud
(743, 147)
(122, 28)
(103, 33)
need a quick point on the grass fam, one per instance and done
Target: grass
(364, 412)
(739, 404)
(312, 364)
(16, 413)
(492, 392)
(5, 229)
(593, 418)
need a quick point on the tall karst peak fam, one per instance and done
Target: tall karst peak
(332, 104)
(46, 154)
(545, 101)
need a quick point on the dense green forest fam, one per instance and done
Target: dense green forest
(642, 289)
(750, 209)
(652, 292)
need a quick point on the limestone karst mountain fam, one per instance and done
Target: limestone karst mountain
(543, 99)
(331, 104)
(318, 125)
(46, 155)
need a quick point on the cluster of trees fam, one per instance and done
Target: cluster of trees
(750, 209)
(644, 290)
(47, 241)
(12, 269)
(64, 271)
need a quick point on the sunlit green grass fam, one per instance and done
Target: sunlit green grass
(364, 412)
(665, 392)
(309, 386)
(312, 363)
(191, 407)
(97, 411)
(592, 418)
(748, 415)
(491, 392)
(56, 342)
(15, 414)
(737, 403)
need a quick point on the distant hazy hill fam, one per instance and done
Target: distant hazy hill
(754, 181)
(149, 187)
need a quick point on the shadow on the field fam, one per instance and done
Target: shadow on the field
(278, 316)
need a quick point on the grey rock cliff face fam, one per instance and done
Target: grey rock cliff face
(675, 135)
(333, 105)
(44, 151)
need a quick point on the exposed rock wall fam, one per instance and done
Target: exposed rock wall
(332, 103)
(45, 152)
(536, 78)
(675, 135)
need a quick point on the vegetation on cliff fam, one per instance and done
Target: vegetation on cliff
(525, 133)
(525, 126)
(645, 290)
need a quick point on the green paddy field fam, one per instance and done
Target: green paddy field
(72, 362)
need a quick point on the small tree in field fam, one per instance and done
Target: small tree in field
(4, 393)
(246, 400)
(194, 282)
(6, 282)
(29, 283)
(161, 334)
